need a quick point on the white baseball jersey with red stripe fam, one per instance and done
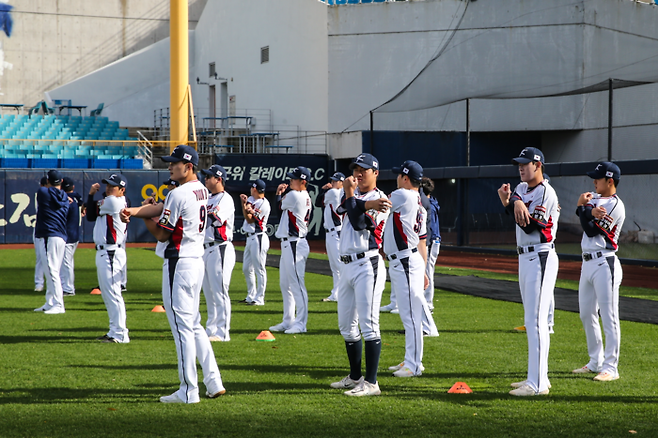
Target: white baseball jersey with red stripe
(543, 207)
(184, 215)
(295, 214)
(331, 202)
(406, 224)
(221, 213)
(610, 224)
(357, 241)
(262, 210)
(109, 230)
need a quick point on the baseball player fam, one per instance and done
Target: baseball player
(52, 210)
(602, 216)
(110, 241)
(433, 238)
(329, 199)
(182, 224)
(39, 277)
(405, 248)
(219, 255)
(295, 206)
(256, 211)
(534, 206)
(73, 237)
(363, 274)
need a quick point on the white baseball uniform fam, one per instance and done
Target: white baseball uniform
(405, 227)
(295, 213)
(333, 222)
(600, 278)
(255, 251)
(219, 260)
(184, 215)
(362, 281)
(538, 266)
(110, 240)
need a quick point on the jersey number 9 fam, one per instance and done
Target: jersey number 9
(202, 218)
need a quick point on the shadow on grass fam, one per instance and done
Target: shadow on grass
(35, 396)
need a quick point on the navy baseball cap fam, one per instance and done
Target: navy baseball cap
(54, 177)
(338, 176)
(117, 180)
(299, 172)
(410, 168)
(217, 171)
(366, 161)
(529, 154)
(605, 169)
(182, 153)
(67, 183)
(171, 182)
(44, 180)
(259, 185)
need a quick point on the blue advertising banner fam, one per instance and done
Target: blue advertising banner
(242, 170)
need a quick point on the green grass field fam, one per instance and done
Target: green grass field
(56, 381)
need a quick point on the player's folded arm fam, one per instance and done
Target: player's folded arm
(509, 209)
(356, 212)
(588, 223)
(92, 209)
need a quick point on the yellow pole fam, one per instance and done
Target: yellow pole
(178, 73)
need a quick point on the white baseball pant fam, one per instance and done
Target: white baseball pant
(537, 276)
(292, 268)
(52, 253)
(109, 265)
(68, 268)
(219, 261)
(332, 243)
(39, 271)
(360, 291)
(407, 274)
(253, 267)
(181, 290)
(598, 291)
(432, 254)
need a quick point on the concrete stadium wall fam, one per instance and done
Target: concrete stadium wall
(55, 42)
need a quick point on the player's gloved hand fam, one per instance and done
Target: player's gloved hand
(504, 192)
(521, 214)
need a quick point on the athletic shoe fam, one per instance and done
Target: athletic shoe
(124, 288)
(254, 303)
(216, 394)
(405, 372)
(294, 331)
(395, 311)
(347, 383)
(41, 309)
(520, 384)
(215, 338)
(520, 328)
(388, 308)
(173, 398)
(279, 328)
(110, 341)
(243, 301)
(550, 330)
(329, 299)
(430, 335)
(606, 377)
(68, 294)
(526, 391)
(38, 288)
(102, 338)
(396, 367)
(364, 388)
(583, 370)
(54, 311)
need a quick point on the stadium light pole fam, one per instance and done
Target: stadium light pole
(178, 71)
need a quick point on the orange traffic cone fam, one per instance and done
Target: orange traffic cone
(460, 388)
(158, 309)
(265, 336)
(95, 291)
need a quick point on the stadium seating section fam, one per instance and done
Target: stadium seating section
(49, 141)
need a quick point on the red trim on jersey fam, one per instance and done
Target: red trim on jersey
(111, 235)
(378, 234)
(546, 232)
(609, 236)
(222, 231)
(401, 239)
(293, 228)
(177, 235)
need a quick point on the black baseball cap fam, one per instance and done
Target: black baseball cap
(171, 182)
(54, 177)
(605, 169)
(366, 161)
(67, 183)
(410, 168)
(338, 176)
(529, 154)
(117, 180)
(259, 185)
(182, 153)
(299, 172)
(217, 171)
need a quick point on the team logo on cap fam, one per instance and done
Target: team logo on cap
(609, 174)
(187, 157)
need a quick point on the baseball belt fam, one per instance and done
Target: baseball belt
(209, 244)
(539, 247)
(291, 239)
(253, 234)
(108, 247)
(591, 256)
(401, 254)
